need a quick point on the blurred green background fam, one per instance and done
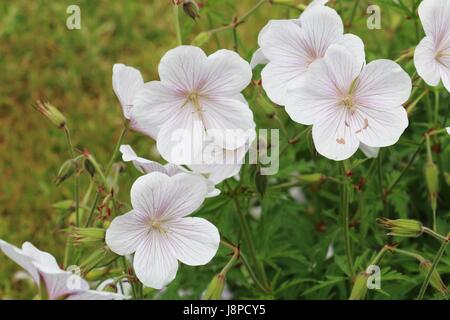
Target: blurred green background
(41, 59)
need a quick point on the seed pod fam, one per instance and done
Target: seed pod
(432, 180)
(191, 8)
(89, 167)
(90, 236)
(402, 227)
(260, 183)
(201, 39)
(51, 113)
(66, 171)
(215, 288)
(64, 205)
(311, 178)
(435, 280)
(359, 289)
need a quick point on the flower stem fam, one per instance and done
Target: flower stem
(234, 258)
(77, 183)
(245, 228)
(177, 24)
(345, 204)
(116, 149)
(436, 261)
(434, 234)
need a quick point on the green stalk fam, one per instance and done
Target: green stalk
(116, 149)
(436, 261)
(345, 205)
(177, 24)
(77, 183)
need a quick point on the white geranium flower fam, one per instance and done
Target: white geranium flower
(158, 231)
(432, 55)
(291, 46)
(197, 96)
(44, 271)
(448, 130)
(347, 104)
(126, 81)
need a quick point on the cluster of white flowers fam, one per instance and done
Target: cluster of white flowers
(198, 117)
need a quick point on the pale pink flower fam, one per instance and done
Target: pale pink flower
(197, 95)
(432, 55)
(291, 46)
(448, 130)
(44, 271)
(158, 231)
(347, 104)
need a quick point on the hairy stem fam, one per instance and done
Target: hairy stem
(345, 206)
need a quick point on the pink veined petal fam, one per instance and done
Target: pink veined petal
(227, 74)
(127, 231)
(258, 58)
(355, 46)
(322, 27)
(194, 241)
(154, 262)
(184, 69)
(182, 137)
(382, 83)
(282, 43)
(126, 81)
(435, 17)
(154, 106)
(326, 83)
(379, 127)
(425, 61)
(227, 120)
(185, 195)
(19, 257)
(60, 284)
(444, 68)
(95, 295)
(333, 137)
(150, 195)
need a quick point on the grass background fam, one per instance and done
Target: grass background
(41, 58)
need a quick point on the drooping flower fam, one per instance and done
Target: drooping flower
(158, 231)
(126, 81)
(348, 105)
(291, 46)
(197, 96)
(148, 166)
(432, 55)
(44, 271)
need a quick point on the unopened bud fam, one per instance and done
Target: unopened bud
(311, 178)
(215, 288)
(260, 183)
(190, 8)
(201, 39)
(64, 205)
(66, 171)
(101, 255)
(51, 113)
(402, 227)
(89, 236)
(435, 280)
(432, 180)
(359, 289)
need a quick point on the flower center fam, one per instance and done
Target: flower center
(158, 226)
(193, 97)
(348, 103)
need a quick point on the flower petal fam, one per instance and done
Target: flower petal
(258, 58)
(355, 46)
(154, 263)
(382, 83)
(126, 232)
(38, 256)
(126, 81)
(380, 127)
(61, 284)
(154, 105)
(186, 194)
(332, 136)
(19, 257)
(425, 62)
(184, 68)
(323, 86)
(435, 17)
(194, 241)
(369, 152)
(227, 75)
(448, 130)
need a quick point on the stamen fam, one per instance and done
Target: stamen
(158, 225)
